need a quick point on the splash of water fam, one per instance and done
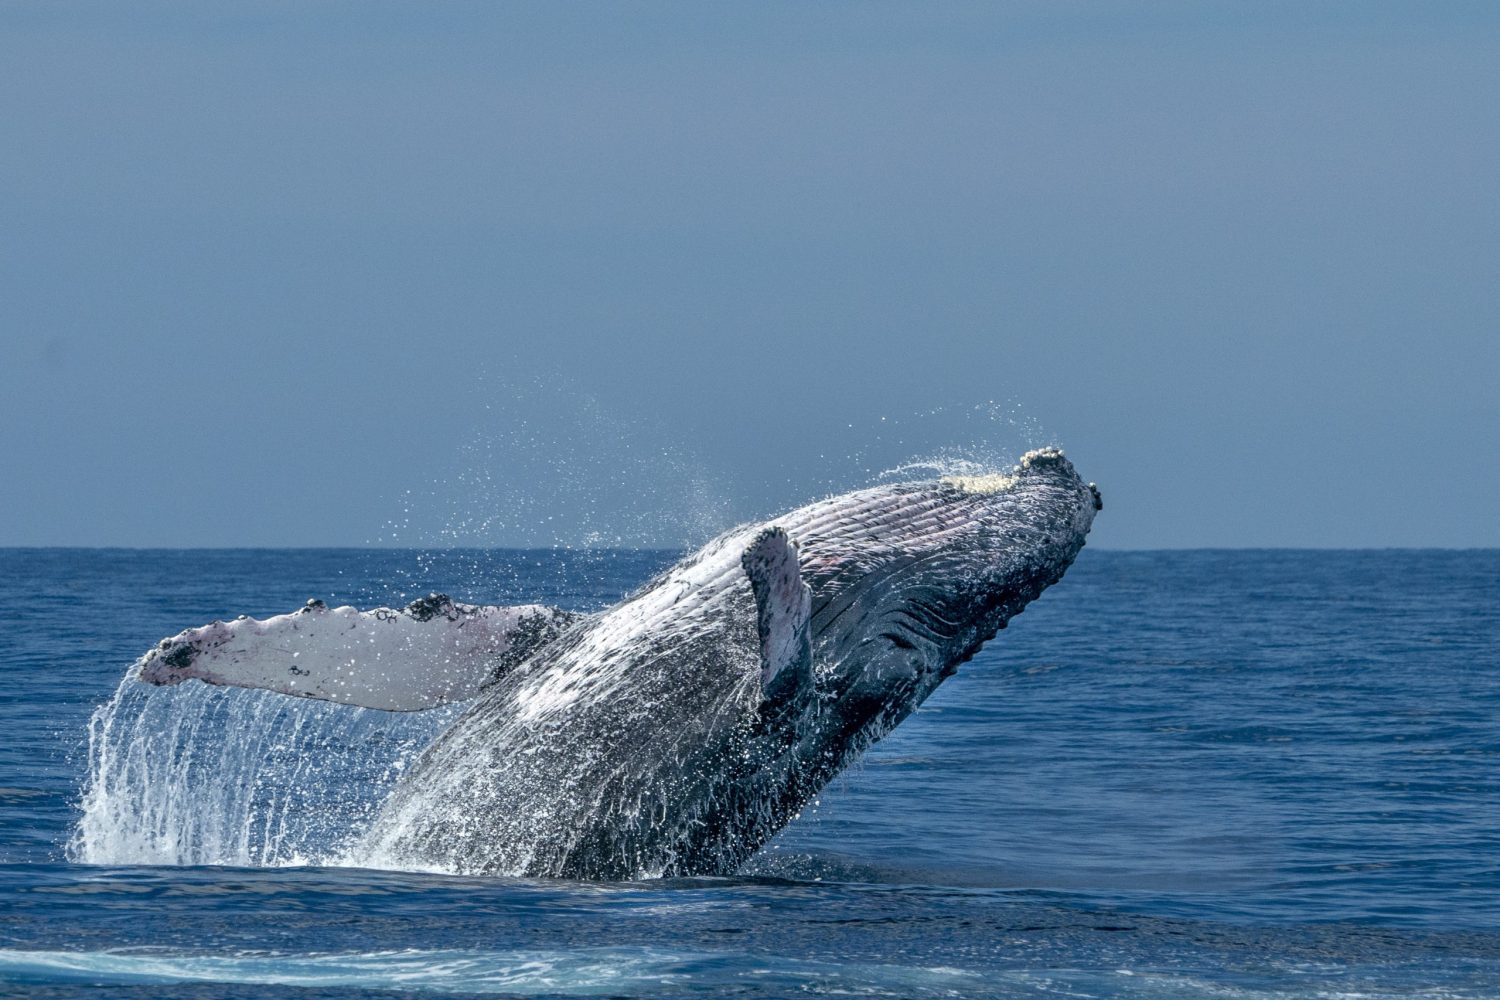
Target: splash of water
(194, 775)
(201, 775)
(583, 477)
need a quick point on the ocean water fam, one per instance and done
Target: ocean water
(1178, 774)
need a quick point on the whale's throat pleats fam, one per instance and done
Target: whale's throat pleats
(783, 606)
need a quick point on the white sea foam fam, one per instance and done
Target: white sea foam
(648, 971)
(579, 972)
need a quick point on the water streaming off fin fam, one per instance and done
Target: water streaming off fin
(201, 775)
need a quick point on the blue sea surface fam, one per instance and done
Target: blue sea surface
(1239, 774)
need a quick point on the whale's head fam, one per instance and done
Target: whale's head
(909, 580)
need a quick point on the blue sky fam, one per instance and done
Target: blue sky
(327, 274)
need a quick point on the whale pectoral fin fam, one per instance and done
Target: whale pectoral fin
(783, 605)
(432, 652)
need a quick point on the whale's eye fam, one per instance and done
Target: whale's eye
(899, 641)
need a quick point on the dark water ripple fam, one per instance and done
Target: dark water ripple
(1237, 774)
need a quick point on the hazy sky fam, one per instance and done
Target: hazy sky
(327, 273)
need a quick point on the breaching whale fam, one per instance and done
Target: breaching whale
(676, 732)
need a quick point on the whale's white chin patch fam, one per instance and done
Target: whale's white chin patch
(995, 482)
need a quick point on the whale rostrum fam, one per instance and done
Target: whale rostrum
(677, 731)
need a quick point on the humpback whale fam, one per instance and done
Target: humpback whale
(676, 732)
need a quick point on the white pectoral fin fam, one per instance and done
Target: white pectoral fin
(783, 605)
(430, 653)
